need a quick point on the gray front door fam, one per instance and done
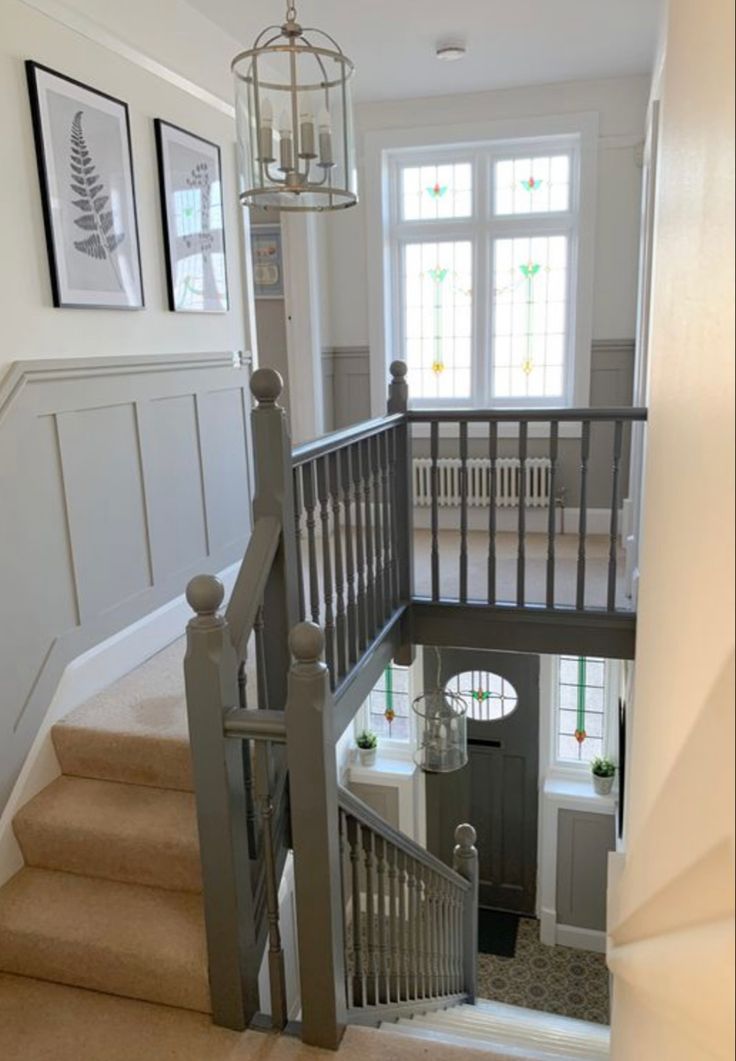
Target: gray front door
(497, 791)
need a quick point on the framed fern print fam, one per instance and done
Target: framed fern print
(85, 169)
(190, 180)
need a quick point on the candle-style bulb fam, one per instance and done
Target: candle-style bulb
(306, 131)
(286, 145)
(266, 112)
(325, 139)
(265, 133)
(285, 122)
(324, 121)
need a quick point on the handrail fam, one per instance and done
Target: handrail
(256, 724)
(449, 416)
(366, 816)
(250, 584)
(309, 451)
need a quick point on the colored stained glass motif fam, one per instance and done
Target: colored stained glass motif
(388, 706)
(531, 185)
(490, 696)
(538, 185)
(436, 192)
(438, 275)
(581, 709)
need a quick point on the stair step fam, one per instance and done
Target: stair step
(122, 939)
(130, 833)
(141, 743)
(500, 1051)
(533, 1033)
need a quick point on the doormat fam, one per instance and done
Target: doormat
(497, 932)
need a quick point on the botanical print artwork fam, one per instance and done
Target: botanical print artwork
(85, 168)
(192, 207)
(94, 215)
(268, 276)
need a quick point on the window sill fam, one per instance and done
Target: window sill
(579, 792)
(383, 767)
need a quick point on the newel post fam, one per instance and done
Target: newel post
(316, 840)
(274, 496)
(465, 862)
(211, 682)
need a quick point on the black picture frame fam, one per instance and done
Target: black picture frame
(102, 268)
(196, 258)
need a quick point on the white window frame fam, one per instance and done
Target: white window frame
(505, 138)
(389, 748)
(557, 767)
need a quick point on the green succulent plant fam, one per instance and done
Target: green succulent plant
(367, 740)
(603, 767)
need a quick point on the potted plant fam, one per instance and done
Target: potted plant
(603, 771)
(367, 743)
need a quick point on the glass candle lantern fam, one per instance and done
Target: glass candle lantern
(294, 120)
(442, 744)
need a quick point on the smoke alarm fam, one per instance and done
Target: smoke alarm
(450, 52)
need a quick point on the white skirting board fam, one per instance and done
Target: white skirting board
(552, 933)
(85, 676)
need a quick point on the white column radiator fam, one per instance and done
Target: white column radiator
(508, 472)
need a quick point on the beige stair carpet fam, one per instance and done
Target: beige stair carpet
(110, 897)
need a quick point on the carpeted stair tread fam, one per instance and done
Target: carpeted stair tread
(143, 742)
(130, 833)
(123, 939)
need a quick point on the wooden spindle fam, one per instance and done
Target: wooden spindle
(521, 553)
(298, 510)
(405, 952)
(346, 880)
(352, 611)
(375, 480)
(276, 974)
(329, 614)
(386, 510)
(261, 672)
(359, 547)
(583, 524)
(415, 948)
(434, 446)
(310, 507)
(369, 864)
(370, 586)
(384, 953)
(618, 434)
(554, 431)
(463, 511)
(355, 840)
(394, 974)
(492, 487)
(337, 496)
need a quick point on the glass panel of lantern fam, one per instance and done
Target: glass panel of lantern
(442, 744)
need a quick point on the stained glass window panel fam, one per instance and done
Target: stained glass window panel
(389, 707)
(430, 193)
(538, 185)
(488, 696)
(437, 281)
(581, 709)
(530, 286)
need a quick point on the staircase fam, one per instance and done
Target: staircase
(508, 1032)
(110, 895)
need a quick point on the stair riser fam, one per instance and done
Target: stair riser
(90, 855)
(117, 757)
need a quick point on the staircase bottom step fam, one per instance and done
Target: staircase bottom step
(502, 1051)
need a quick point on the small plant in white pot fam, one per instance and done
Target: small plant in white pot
(367, 743)
(603, 771)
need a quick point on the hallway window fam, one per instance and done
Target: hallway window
(387, 711)
(483, 256)
(582, 708)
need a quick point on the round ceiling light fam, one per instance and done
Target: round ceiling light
(450, 51)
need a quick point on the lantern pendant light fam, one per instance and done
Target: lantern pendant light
(294, 118)
(442, 740)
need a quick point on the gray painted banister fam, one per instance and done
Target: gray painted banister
(367, 816)
(465, 861)
(210, 673)
(251, 582)
(531, 416)
(310, 451)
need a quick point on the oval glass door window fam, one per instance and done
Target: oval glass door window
(489, 696)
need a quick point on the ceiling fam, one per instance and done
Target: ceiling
(509, 42)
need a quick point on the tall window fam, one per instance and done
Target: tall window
(387, 711)
(483, 249)
(583, 695)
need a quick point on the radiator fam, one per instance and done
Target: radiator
(536, 476)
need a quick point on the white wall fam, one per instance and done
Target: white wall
(193, 48)
(671, 909)
(621, 105)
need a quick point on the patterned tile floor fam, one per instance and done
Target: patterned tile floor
(557, 979)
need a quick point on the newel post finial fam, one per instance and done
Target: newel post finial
(266, 386)
(205, 594)
(398, 388)
(307, 645)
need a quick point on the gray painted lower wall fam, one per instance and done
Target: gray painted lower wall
(120, 479)
(347, 386)
(583, 842)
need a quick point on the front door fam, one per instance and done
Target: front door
(497, 791)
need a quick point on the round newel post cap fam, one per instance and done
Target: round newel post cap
(205, 594)
(266, 386)
(398, 371)
(465, 836)
(306, 642)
